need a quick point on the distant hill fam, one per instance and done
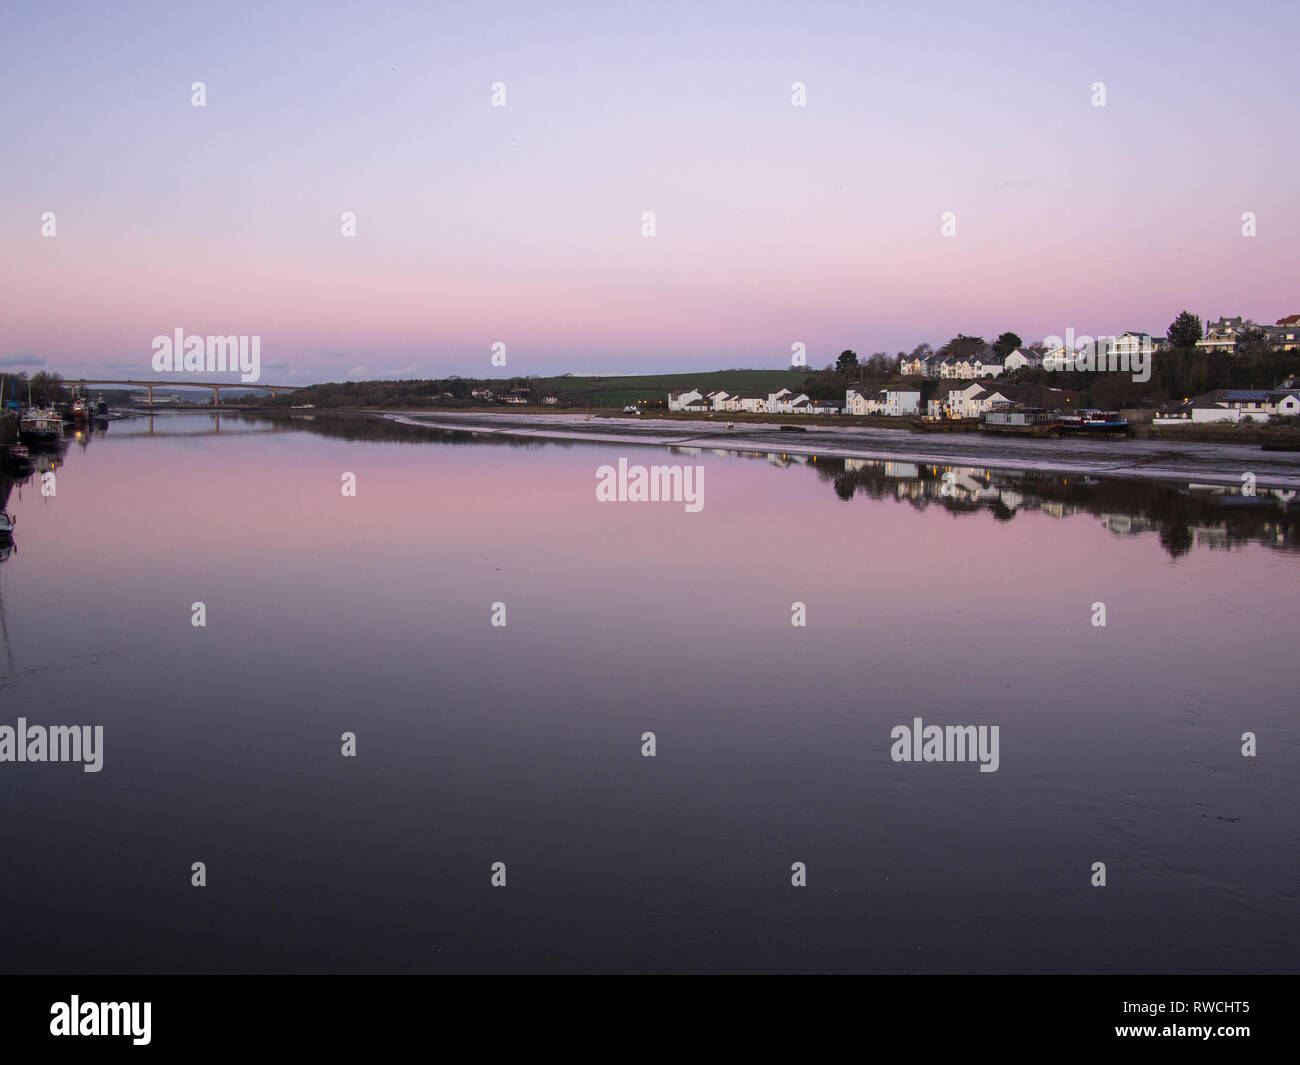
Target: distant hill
(579, 392)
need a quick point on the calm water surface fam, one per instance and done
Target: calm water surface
(522, 744)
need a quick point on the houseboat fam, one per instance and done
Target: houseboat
(1022, 421)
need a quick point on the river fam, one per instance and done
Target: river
(771, 643)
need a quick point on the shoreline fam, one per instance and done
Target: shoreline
(1171, 460)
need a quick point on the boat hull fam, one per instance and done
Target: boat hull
(1095, 428)
(946, 425)
(1041, 429)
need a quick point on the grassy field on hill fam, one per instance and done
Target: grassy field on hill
(621, 391)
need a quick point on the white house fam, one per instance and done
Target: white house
(946, 400)
(1222, 335)
(863, 401)
(783, 402)
(1232, 405)
(1286, 402)
(991, 366)
(963, 400)
(751, 403)
(1121, 349)
(678, 400)
(824, 406)
(902, 400)
(1059, 358)
(984, 401)
(1022, 358)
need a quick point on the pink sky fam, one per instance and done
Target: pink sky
(775, 224)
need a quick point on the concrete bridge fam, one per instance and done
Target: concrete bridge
(149, 386)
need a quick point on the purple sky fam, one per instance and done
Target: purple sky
(522, 224)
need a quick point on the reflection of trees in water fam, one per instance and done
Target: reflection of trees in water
(1180, 516)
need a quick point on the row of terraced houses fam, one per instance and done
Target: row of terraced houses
(958, 399)
(783, 401)
(1221, 335)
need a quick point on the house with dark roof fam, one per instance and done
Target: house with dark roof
(1222, 335)
(1173, 414)
(863, 401)
(1232, 405)
(1285, 402)
(1285, 333)
(1023, 358)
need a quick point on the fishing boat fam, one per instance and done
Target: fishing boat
(82, 409)
(1022, 421)
(40, 428)
(1094, 421)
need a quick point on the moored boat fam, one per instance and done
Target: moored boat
(1021, 421)
(40, 428)
(1094, 421)
(18, 459)
(926, 424)
(6, 525)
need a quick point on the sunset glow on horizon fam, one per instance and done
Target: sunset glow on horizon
(775, 224)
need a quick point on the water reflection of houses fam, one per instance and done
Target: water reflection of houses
(1182, 515)
(1127, 524)
(1212, 536)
